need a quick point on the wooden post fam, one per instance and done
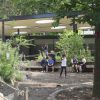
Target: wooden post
(16, 91)
(26, 93)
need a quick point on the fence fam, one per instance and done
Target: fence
(17, 92)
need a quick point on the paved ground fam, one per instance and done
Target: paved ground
(42, 84)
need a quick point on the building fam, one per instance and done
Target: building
(41, 24)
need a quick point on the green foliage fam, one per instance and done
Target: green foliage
(24, 7)
(87, 54)
(88, 9)
(40, 56)
(20, 41)
(8, 59)
(69, 42)
(18, 76)
(72, 44)
(58, 58)
(82, 10)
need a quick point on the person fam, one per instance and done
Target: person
(52, 55)
(45, 49)
(63, 65)
(83, 64)
(50, 64)
(44, 64)
(74, 62)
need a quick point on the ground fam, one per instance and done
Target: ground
(49, 86)
(78, 93)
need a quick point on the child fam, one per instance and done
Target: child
(74, 62)
(44, 64)
(63, 65)
(50, 64)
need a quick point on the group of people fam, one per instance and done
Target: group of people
(78, 66)
(49, 61)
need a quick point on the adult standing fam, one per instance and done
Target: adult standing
(45, 49)
(63, 65)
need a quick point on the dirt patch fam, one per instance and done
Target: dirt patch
(84, 93)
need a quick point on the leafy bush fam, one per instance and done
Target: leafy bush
(8, 59)
(18, 76)
(58, 58)
(71, 44)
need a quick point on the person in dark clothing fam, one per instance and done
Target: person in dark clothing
(50, 64)
(44, 64)
(74, 62)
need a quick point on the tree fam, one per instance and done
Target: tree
(83, 11)
(72, 44)
(9, 57)
(24, 7)
(80, 10)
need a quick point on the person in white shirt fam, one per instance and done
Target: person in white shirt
(82, 66)
(63, 65)
(83, 60)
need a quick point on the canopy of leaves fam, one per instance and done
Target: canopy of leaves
(83, 10)
(24, 7)
(20, 41)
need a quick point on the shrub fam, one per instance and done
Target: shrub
(9, 57)
(18, 76)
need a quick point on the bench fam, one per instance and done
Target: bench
(33, 65)
(89, 66)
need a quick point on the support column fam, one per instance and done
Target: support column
(53, 44)
(74, 26)
(3, 31)
(18, 31)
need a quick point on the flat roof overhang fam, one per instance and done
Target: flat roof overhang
(32, 26)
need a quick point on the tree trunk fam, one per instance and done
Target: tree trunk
(96, 87)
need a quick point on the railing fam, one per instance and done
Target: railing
(17, 92)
